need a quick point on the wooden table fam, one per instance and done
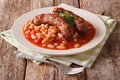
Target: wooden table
(106, 67)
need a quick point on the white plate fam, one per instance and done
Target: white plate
(97, 23)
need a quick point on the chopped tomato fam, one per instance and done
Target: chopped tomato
(57, 30)
(38, 41)
(33, 32)
(58, 38)
(28, 36)
(37, 29)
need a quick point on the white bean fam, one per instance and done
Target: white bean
(42, 25)
(44, 31)
(55, 44)
(53, 35)
(61, 47)
(37, 28)
(50, 46)
(33, 36)
(53, 30)
(46, 26)
(64, 42)
(50, 28)
(39, 35)
(75, 35)
(45, 40)
(43, 45)
(31, 26)
(60, 35)
(28, 31)
(75, 40)
(77, 45)
(25, 27)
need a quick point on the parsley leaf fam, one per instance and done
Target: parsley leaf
(67, 17)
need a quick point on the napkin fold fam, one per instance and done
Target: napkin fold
(84, 59)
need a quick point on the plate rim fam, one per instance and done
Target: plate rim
(54, 51)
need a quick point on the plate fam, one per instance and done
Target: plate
(92, 18)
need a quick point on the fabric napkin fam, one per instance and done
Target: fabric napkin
(84, 59)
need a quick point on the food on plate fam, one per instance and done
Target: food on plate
(77, 22)
(59, 30)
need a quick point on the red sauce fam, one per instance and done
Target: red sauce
(82, 39)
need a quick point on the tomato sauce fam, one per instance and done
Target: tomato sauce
(81, 39)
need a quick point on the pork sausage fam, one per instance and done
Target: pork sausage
(52, 19)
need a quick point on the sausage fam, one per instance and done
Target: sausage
(79, 21)
(52, 19)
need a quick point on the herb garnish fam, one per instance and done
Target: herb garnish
(67, 17)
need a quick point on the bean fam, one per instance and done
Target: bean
(75, 35)
(64, 42)
(46, 26)
(61, 47)
(43, 45)
(53, 30)
(37, 28)
(50, 35)
(28, 31)
(33, 36)
(42, 25)
(47, 35)
(44, 31)
(60, 35)
(31, 26)
(50, 46)
(53, 26)
(77, 45)
(39, 35)
(75, 40)
(50, 28)
(45, 40)
(55, 44)
(25, 27)
(53, 35)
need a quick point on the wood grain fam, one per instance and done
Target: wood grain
(69, 2)
(114, 40)
(11, 68)
(107, 66)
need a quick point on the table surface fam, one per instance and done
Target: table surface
(106, 67)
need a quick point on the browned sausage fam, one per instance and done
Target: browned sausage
(52, 19)
(79, 21)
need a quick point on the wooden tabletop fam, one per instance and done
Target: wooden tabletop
(106, 67)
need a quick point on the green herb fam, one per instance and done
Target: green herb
(68, 18)
(3, 35)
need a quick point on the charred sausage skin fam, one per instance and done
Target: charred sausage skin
(52, 19)
(79, 21)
